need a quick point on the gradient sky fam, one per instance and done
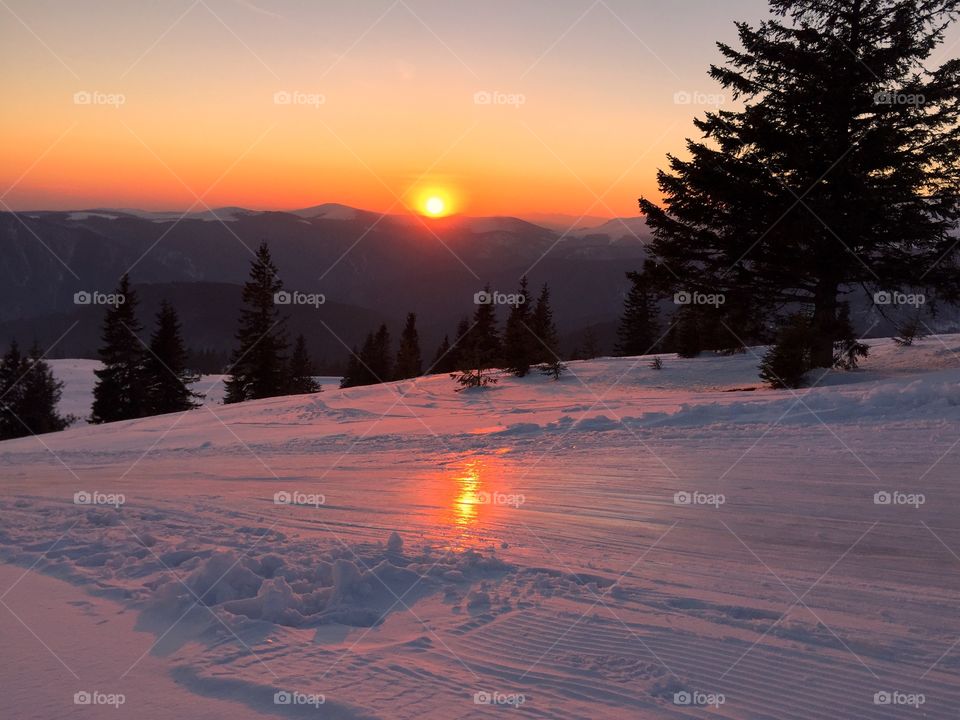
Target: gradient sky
(398, 119)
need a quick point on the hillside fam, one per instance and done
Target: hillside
(610, 545)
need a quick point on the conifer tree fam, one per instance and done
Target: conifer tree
(258, 367)
(841, 170)
(29, 394)
(355, 374)
(639, 329)
(787, 362)
(442, 361)
(372, 364)
(301, 379)
(41, 394)
(380, 358)
(480, 348)
(686, 336)
(166, 378)
(589, 347)
(547, 340)
(119, 393)
(458, 349)
(518, 341)
(409, 363)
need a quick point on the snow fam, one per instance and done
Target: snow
(625, 542)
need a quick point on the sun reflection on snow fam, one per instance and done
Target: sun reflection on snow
(467, 487)
(465, 506)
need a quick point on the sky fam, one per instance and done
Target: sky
(501, 107)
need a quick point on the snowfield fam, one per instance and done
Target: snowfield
(623, 543)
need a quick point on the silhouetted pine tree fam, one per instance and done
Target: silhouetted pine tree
(589, 347)
(686, 337)
(787, 361)
(356, 374)
(258, 367)
(41, 394)
(480, 348)
(380, 357)
(372, 364)
(841, 170)
(166, 377)
(301, 373)
(848, 350)
(518, 340)
(409, 363)
(458, 347)
(547, 341)
(442, 361)
(29, 394)
(639, 330)
(120, 393)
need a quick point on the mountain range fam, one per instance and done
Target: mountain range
(369, 267)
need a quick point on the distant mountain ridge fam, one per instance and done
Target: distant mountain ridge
(375, 268)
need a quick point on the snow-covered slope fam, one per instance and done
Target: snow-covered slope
(625, 542)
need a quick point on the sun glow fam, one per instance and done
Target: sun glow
(434, 201)
(435, 206)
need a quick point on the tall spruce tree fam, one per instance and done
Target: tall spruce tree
(518, 340)
(686, 334)
(380, 358)
(409, 364)
(41, 394)
(639, 329)
(356, 374)
(29, 394)
(841, 170)
(119, 393)
(547, 340)
(372, 364)
(258, 366)
(301, 374)
(480, 347)
(166, 377)
(442, 362)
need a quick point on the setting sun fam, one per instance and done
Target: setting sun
(435, 206)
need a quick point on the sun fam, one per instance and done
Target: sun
(435, 206)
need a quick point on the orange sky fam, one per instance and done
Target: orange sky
(381, 101)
